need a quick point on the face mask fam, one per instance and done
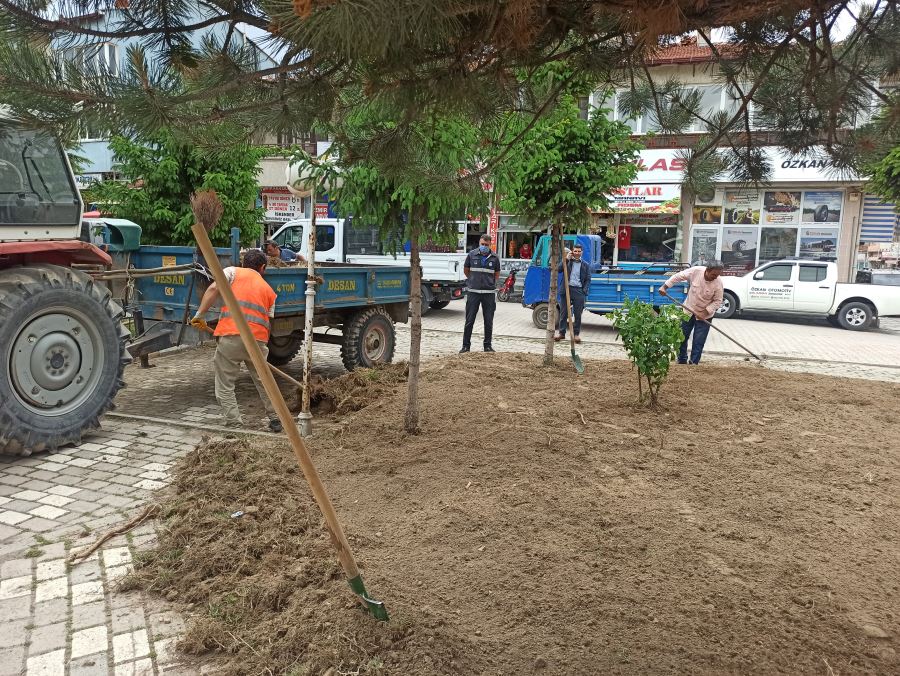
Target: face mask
(484, 249)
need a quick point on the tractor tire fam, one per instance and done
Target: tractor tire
(438, 304)
(729, 306)
(283, 349)
(369, 339)
(540, 315)
(62, 356)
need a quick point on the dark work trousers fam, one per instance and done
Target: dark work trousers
(701, 331)
(488, 303)
(577, 296)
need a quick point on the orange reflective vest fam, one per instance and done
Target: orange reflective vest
(255, 297)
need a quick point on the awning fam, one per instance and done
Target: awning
(879, 219)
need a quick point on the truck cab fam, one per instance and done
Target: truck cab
(340, 241)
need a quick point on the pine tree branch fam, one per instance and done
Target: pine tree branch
(69, 25)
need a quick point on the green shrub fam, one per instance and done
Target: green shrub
(651, 340)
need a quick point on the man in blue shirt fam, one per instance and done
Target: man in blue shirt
(288, 256)
(579, 285)
(482, 270)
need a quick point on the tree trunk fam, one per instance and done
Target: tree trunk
(411, 420)
(552, 314)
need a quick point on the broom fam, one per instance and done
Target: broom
(207, 210)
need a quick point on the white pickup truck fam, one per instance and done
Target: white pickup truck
(337, 241)
(809, 287)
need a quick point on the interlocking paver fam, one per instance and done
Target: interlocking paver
(12, 660)
(48, 570)
(130, 645)
(48, 664)
(15, 587)
(47, 638)
(89, 641)
(13, 633)
(89, 615)
(49, 612)
(86, 592)
(51, 589)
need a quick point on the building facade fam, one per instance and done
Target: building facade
(808, 208)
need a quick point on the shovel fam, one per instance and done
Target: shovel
(752, 354)
(575, 358)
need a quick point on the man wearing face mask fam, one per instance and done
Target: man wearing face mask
(579, 285)
(482, 270)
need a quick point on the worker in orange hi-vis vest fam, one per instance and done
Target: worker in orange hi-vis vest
(257, 303)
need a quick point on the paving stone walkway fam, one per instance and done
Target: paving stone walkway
(57, 618)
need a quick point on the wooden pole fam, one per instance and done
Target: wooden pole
(338, 539)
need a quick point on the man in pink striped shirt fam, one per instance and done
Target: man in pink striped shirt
(703, 299)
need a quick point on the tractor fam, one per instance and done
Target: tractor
(62, 339)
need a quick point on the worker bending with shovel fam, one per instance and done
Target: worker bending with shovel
(704, 297)
(257, 303)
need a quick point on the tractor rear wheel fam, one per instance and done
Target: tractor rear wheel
(62, 356)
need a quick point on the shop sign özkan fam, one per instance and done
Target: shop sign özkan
(647, 198)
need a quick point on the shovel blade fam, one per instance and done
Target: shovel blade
(376, 608)
(577, 361)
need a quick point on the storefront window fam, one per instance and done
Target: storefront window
(820, 244)
(651, 244)
(704, 245)
(777, 243)
(517, 244)
(738, 252)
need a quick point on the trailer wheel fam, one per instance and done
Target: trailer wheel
(438, 304)
(62, 355)
(283, 349)
(369, 339)
(540, 315)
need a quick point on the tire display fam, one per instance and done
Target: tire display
(62, 355)
(369, 339)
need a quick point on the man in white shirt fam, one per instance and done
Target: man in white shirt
(703, 299)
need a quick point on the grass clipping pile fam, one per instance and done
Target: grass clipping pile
(543, 523)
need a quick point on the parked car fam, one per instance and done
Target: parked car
(810, 288)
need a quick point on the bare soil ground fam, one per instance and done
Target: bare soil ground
(543, 523)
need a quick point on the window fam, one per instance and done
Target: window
(780, 272)
(324, 237)
(35, 181)
(777, 243)
(292, 238)
(102, 57)
(363, 241)
(813, 273)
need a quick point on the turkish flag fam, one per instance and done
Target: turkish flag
(624, 236)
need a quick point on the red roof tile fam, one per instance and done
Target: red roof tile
(691, 53)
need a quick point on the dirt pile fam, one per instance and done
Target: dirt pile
(357, 389)
(541, 523)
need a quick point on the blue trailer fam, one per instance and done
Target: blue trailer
(357, 305)
(609, 286)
